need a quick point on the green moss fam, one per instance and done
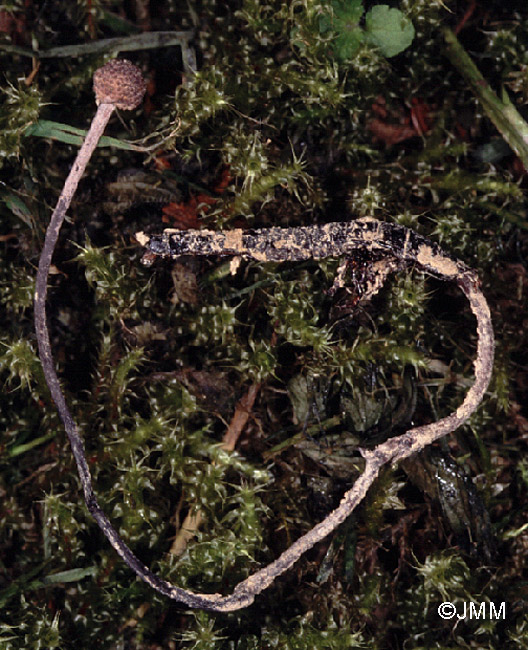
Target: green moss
(20, 107)
(288, 125)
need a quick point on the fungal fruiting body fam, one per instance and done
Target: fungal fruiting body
(115, 75)
(120, 84)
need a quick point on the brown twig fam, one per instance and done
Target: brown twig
(240, 418)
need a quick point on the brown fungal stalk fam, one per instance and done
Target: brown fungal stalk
(118, 84)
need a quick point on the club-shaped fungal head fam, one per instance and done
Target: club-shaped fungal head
(120, 83)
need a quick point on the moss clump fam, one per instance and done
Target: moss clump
(274, 129)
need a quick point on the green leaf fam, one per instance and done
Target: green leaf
(389, 30)
(344, 21)
(70, 135)
(18, 208)
(69, 575)
(16, 450)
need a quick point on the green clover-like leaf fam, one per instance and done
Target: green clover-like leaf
(389, 29)
(344, 21)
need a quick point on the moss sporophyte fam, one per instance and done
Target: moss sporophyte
(393, 248)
